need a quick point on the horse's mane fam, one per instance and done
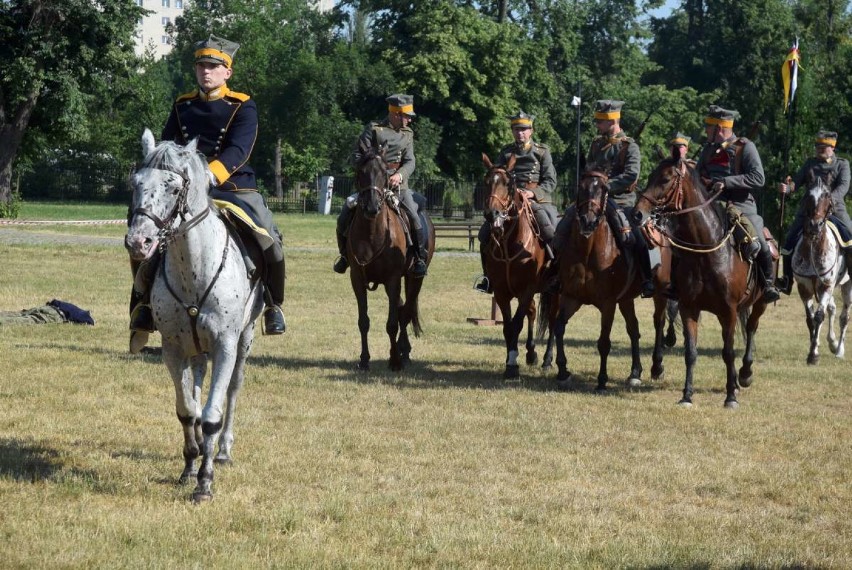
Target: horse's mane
(691, 170)
(173, 157)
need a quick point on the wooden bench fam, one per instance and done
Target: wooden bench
(467, 230)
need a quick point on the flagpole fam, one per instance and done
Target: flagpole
(579, 101)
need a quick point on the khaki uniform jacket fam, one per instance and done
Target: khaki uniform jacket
(620, 158)
(398, 144)
(533, 165)
(837, 170)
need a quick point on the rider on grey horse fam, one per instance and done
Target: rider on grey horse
(834, 172)
(225, 123)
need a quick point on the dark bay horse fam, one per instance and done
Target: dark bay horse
(710, 273)
(594, 271)
(819, 267)
(514, 261)
(376, 250)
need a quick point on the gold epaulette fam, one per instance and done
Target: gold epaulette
(191, 95)
(238, 96)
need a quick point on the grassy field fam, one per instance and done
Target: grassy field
(444, 465)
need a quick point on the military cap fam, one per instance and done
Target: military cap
(401, 103)
(522, 120)
(678, 139)
(826, 137)
(608, 109)
(716, 115)
(216, 50)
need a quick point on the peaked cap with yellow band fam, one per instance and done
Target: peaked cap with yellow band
(826, 137)
(678, 139)
(216, 50)
(522, 120)
(716, 115)
(608, 109)
(401, 103)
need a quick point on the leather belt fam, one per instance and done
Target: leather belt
(528, 185)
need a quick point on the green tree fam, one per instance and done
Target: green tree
(58, 54)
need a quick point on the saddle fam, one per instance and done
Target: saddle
(251, 239)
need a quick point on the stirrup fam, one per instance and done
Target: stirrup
(418, 268)
(647, 289)
(483, 285)
(273, 321)
(784, 284)
(141, 320)
(341, 265)
(770, 294)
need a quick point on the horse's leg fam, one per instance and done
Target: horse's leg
(628, 311)
(689, 318)
(657, 368)
(567, 309)
(746, 373)
(532, 357)
(831, 313)
(186, 406)
(407, 316)
(226, 439)
(363, 322)
(224, 358)
(551, 315)
(846, 297)
(605, 343)
(393, 290)
(510, 335)
(728, 322)
(820, 300)
(671, 315)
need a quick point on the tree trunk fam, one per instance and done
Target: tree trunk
(12, 133)
(501, 11)
(279, 190)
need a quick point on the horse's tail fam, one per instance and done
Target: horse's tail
(545, 304)
(742, 320)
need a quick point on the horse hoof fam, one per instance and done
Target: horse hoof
(199, 497)
(512, 371)
(670, 340)
(546, 365)
(363, 366)
(532, 358)
(187, 477)
(634, 382)
(658, 374)
(745, 381)
(685, 403)
(223, 460)
(813, 360)
(731, 404)
(601, 390)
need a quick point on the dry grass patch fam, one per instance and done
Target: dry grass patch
(443, 465)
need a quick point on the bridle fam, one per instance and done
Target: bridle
(180, 209)
(597, 205)
(502, 204)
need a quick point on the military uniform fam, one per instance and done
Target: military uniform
(533, 172)
(735, 165)
(833, 172)
(225, 124)
(398, 145)
(54, 311)
(618, 156)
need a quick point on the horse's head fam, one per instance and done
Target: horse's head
(371, 177)
(817, 206)
(667, 185)
(592, 195)
(171, 183)
(500, 183)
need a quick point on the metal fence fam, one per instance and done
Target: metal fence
(108, 181)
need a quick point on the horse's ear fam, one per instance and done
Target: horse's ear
(487, 161)
(148, 142)
(661, 155)
(192, 147)
(510, 166)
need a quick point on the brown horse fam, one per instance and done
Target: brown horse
(710, 273)
(514, 261)
(593, 271)
(376, 250)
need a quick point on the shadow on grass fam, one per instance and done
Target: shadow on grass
(33, 463)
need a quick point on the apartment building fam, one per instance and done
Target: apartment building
(151, 32)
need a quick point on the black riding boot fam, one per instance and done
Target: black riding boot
(546, 230)
(643, 258)
(767, 268)
(343, 221)
(418, 268)
(141, 318)
(785, 282)
(483, 284)
(273, 283)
